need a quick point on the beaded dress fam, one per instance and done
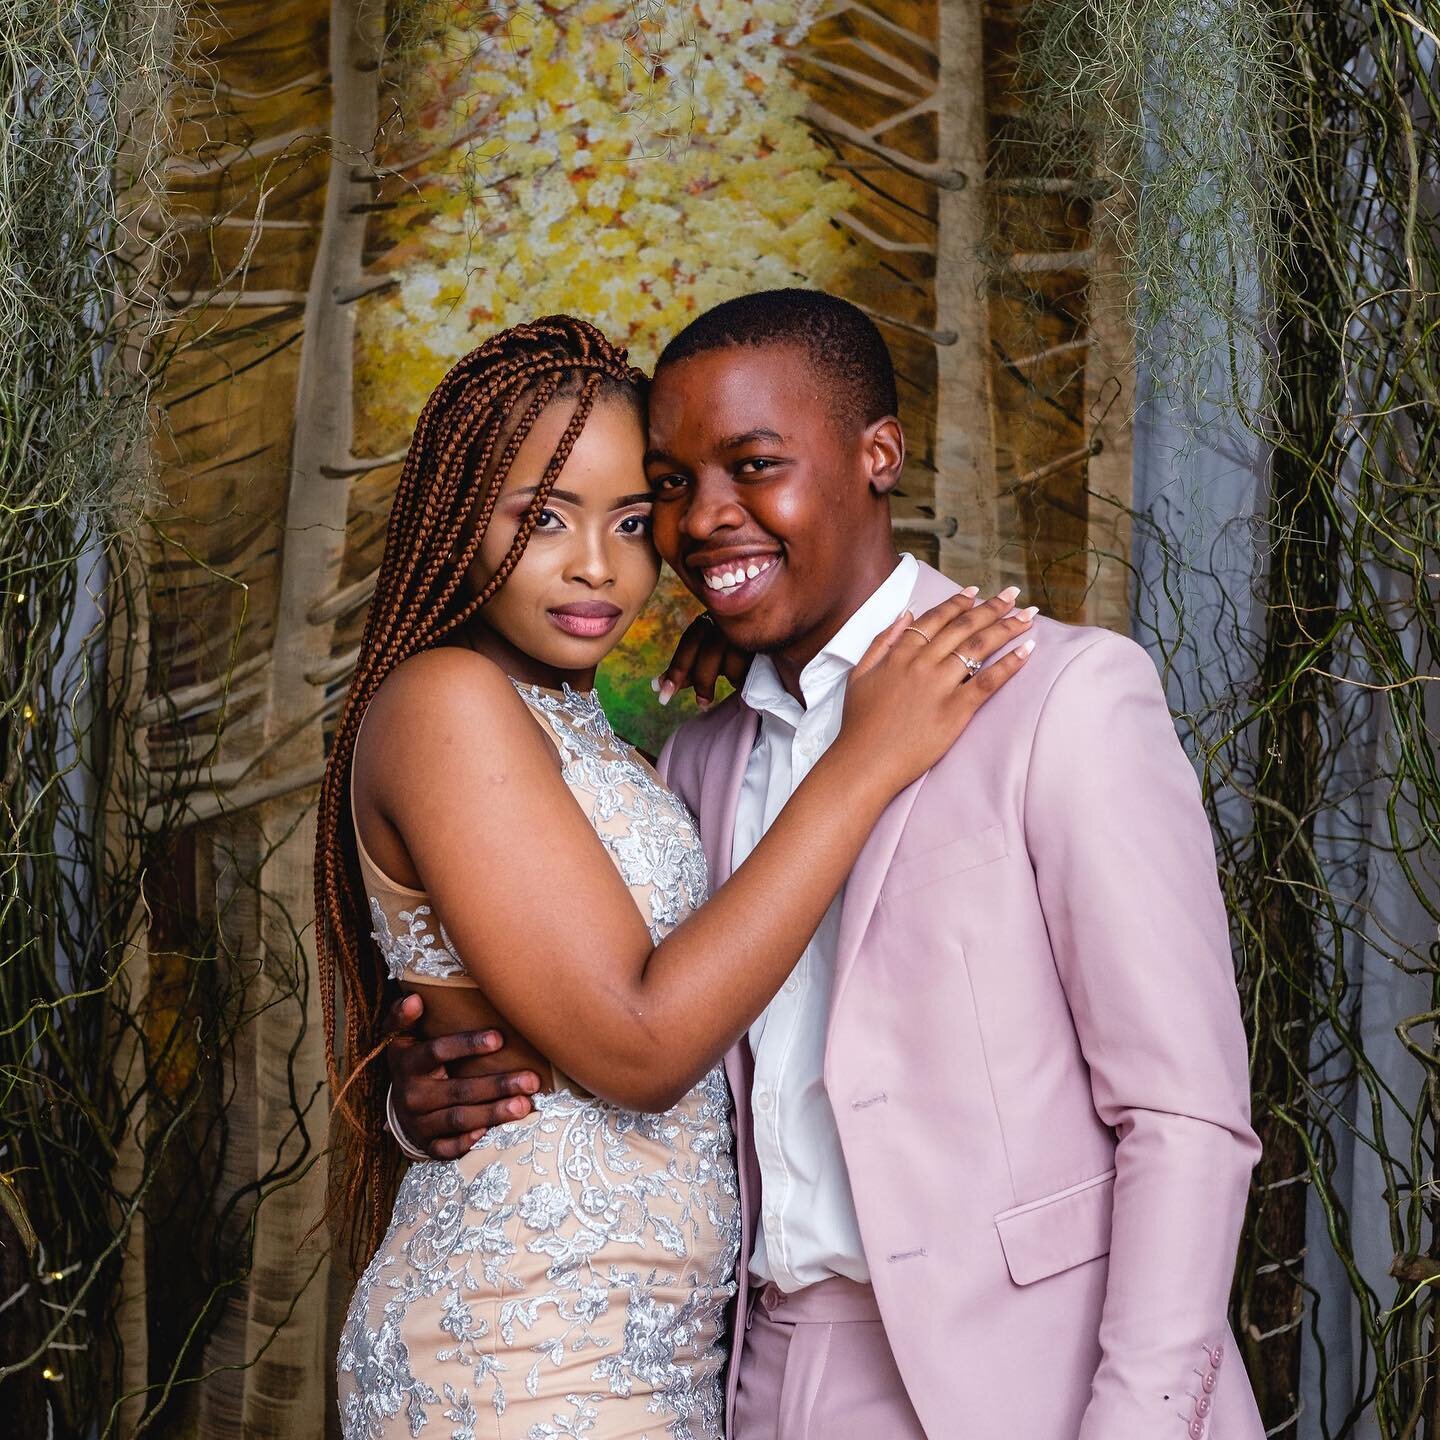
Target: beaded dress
(569, 1277)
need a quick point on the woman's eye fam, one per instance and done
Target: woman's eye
(635, 525)
(549, 520)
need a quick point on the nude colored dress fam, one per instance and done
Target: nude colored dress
(569, 1277)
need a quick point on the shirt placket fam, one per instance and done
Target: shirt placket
(806, 746)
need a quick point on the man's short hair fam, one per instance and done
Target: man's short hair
(842, 342)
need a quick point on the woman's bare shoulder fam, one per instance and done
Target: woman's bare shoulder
(440, 706)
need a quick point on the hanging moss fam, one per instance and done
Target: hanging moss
(1270, 173)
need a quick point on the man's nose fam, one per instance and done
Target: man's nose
(713, 505)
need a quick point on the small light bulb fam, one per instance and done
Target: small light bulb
(50, 1374)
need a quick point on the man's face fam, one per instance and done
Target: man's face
(771, 509)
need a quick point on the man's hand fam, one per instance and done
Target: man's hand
(701, 657)
(443, 1116)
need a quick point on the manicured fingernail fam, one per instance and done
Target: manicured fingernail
(476, 1139)
(1029, 614)
(517, 1108)
(655, 684)
(1010, 594)
(667, 691)
(971, 590)
(1025, 649)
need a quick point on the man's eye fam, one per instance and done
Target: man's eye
(755, 466)
(668, 484)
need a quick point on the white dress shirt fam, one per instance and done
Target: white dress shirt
(807, 1231)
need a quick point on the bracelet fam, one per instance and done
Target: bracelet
(407, 1147)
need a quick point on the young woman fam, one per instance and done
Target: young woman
(501, 848)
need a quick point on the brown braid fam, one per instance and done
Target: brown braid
(464, 444)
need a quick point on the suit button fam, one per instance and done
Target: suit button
(770, 1299)
(1202, 1406)
(1197, 1430)
(1208, 1383)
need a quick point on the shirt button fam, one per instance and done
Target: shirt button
(764, 1100)
(791, 985)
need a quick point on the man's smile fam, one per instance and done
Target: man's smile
(729, 580)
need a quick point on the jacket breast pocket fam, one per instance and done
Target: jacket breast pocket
(1059, 1231)
(954, 857)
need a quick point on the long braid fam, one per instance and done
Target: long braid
(465, 441)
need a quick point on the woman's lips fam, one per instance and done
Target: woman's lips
(588, 620)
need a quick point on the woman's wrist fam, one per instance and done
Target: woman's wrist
(859, 774)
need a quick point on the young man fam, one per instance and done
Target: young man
(993, 1132)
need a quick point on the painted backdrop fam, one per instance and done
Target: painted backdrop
(366, 192)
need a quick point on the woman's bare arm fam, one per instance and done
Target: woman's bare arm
(541, 916)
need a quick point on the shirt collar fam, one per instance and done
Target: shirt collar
(763, 690)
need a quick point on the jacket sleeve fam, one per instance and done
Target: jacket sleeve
(1127, 878)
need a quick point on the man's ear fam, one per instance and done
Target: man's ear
(883, 445)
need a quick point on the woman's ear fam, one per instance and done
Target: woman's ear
(884, 449)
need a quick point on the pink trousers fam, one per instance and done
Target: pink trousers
(817, 1366)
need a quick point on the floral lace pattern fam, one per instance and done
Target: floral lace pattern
(648, 831)
(416, 949)
(567, 1279)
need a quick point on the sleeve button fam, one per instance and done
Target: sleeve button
(1208, 1383)
(1202, 1406)
(1197, 1430)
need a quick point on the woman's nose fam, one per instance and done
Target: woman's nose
(593, 562)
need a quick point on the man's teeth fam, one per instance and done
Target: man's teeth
(727, 578)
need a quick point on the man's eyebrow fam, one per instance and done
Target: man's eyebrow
(733, 442)
(750, 436)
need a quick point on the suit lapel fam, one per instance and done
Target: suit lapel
(862, 890)
(720, 792)
(719, 800)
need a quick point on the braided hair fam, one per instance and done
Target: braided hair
(464, 444)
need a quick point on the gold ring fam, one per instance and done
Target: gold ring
(918, 631)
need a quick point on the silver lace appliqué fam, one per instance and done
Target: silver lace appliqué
(418, 950)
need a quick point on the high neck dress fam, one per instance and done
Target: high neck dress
(569, 1277)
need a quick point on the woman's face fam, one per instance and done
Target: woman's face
(590, 566)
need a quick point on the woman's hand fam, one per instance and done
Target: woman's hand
(912, 694)
(701, 657)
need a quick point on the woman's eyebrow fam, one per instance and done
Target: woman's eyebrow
(645, 497)
(568, 496)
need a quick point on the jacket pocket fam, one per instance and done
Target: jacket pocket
(910, 872)
(1059, 1231)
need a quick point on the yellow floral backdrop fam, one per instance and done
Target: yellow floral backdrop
(633, 163)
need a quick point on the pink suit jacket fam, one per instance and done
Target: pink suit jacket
(1036, 1060)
